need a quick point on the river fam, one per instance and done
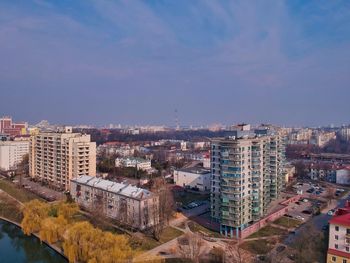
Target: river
(15, 247)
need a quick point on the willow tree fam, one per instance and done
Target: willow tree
(53, 229)
(34, 212)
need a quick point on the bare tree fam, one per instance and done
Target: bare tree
(234, 253)
(330, 194)
(309, 245)
(23, 169)
(190, 246)
(165, 206)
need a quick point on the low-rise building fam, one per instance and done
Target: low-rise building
(12, 153)
(339, 236)
(195, 177)
(138, 163)
(343, 176)
(130, 205)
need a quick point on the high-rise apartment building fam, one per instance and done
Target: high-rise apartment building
(247, 174)
(57, 157)
(12, 153)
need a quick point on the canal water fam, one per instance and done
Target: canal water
(15, 247)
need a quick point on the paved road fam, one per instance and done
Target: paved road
(317, 221)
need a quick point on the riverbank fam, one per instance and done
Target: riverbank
(53, 247)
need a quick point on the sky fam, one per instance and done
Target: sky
(212, 61)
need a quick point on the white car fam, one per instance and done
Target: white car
(300, 218)
(330, 212)
(305, 200)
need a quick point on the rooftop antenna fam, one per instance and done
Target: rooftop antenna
(177, 120)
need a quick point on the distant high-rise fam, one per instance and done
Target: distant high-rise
(12, 153)
(247, 174)
(13, 129)
(57, 157)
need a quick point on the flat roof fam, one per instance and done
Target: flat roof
(194, 170)
(113, 187)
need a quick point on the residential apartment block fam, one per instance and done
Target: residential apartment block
(12, 153)
(57, 157)
(247, 174)
(339, 236)
(136, 207)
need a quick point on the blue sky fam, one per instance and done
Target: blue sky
(135, 62)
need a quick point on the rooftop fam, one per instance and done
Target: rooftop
(342, 216)
(195, 170)
(118, 188)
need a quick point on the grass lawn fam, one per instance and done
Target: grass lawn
(20, 194)
(258, 246)
(186, 197)
(201, 229)
(287, 222)
(146, 243)
(10, 209)
(268, 231)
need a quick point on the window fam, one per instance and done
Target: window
(336, 237)
(348, 231)
(344, 260)
(337, 228)
(347, 249)
(336, 246)
(334, 259)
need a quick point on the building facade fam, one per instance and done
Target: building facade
(343, 176)
(138, 163)
(247, 174)
(13, 129)
(339, 236)
(195, 177)
(12, 153)
(57, 157)
(130, 205)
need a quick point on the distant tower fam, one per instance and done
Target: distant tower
(177, 120)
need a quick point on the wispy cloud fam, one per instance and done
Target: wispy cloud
(209, 59)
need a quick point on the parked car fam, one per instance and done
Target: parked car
(300, 218)
(279, 249)
(331, 212)
(325, 227)
(308, 212)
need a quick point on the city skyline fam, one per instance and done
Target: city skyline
(100, 62)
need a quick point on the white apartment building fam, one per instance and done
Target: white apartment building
(195, 177)
(342, 176)
(339, 236)
(136, 207)
(320, 139)
(57, 157)
(138, 163)
(247, 174)
(12, 153)
(344, 133)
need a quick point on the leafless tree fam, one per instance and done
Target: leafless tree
(234, 253)
(330, 194)
(165, 207)
(190, 246)
(309, 245)
(23, 169)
